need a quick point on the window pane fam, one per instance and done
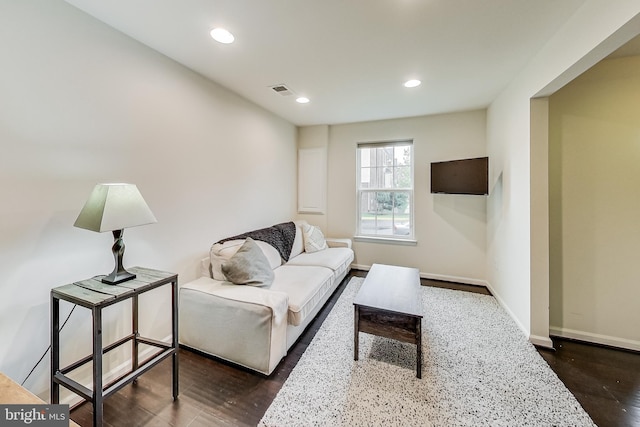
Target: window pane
(402, 213)
(385, 156)
(375, 177)
(365, 178)
(375, 216)
(385, 213)
(402, 155)
(367, 215)
(385, 167)
(365, 157)
(402, 177)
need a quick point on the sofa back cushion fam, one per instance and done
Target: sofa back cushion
(222, 252)
(298, 243)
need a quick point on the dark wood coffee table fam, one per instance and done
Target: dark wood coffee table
(389, 305)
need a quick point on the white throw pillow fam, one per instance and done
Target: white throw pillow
(313, 239)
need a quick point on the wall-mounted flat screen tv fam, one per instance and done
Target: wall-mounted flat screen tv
(467, 176)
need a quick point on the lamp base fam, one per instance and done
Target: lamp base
(119, 274)
(118, 277)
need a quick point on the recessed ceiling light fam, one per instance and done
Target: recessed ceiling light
(302, 100)
(412, 83)
(221, 35)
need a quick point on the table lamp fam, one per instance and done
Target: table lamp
(114, 207)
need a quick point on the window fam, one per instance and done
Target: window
(385, 190)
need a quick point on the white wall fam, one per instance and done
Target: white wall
(592, 32)
(81, 104)
(595, 205)
(539, 211)
(450, 229)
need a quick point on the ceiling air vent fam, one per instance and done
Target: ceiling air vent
(282, 90)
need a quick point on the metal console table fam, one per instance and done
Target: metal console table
(95, 295)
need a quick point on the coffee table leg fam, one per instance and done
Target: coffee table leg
(419, 347)
(356, 325)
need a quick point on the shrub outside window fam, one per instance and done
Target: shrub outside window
(385, 190)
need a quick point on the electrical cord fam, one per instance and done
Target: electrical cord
(48, 348)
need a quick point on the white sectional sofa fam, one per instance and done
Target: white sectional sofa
(255, 326)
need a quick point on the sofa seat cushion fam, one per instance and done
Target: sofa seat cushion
(276, 301)
(305, 286)
(337, 259)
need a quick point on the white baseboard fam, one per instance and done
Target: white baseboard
(361, 267)
(595, 338)
(508, 310)
(442, 277)
(456, 279)
(541, 341)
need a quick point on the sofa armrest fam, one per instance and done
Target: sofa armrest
(338, 243)
(242, 324)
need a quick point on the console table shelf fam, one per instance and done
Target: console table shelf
(95, 295)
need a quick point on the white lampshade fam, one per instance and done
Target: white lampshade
(114, 207)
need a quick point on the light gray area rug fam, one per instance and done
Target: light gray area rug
(478, 370)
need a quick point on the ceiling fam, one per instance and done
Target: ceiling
(349, 57)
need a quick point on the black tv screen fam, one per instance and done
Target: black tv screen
(467, 176)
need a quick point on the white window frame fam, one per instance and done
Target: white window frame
(361, 233)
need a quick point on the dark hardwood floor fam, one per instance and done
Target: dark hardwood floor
(605, 381)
